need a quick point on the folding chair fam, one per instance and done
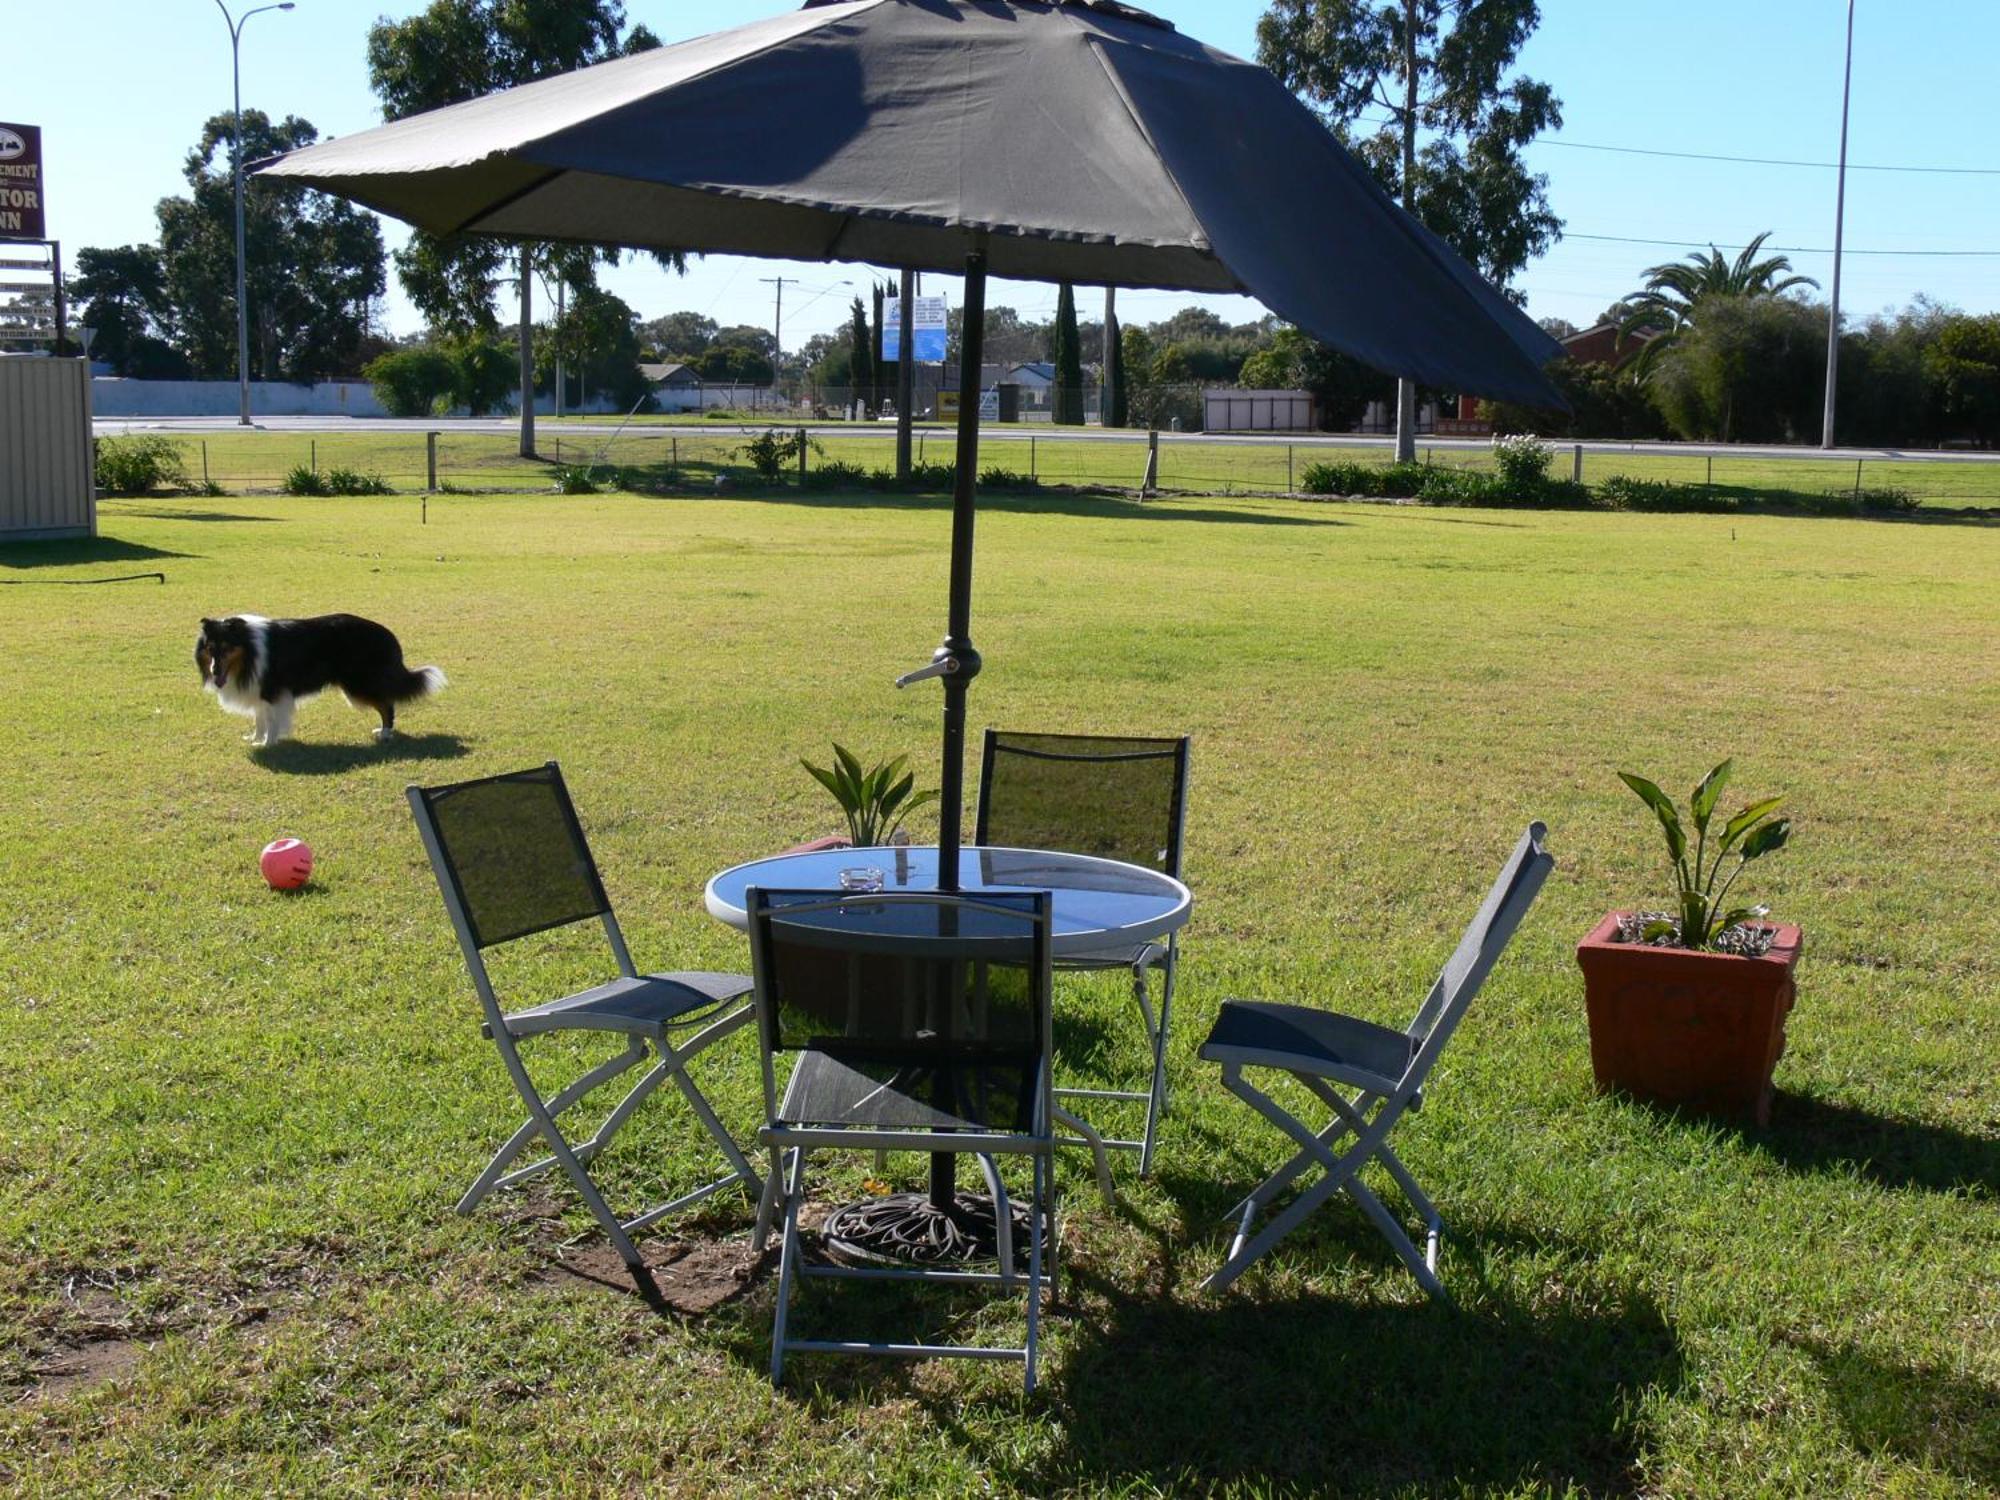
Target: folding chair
(511, 860)
(1116, 797)
(921, 1023)
(1325, 1052)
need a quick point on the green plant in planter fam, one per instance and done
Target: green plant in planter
(875, 801)
(1703, 919)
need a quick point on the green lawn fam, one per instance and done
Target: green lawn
(235, 1123)
(693, 453)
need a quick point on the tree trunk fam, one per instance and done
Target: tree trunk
(527, 354)
(1406, 389)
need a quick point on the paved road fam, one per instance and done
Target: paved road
(886, 431)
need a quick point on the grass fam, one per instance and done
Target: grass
(235, 1122)
(691, 455)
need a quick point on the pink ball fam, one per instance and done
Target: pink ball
(287, 863)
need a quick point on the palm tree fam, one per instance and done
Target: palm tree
(1674, 292)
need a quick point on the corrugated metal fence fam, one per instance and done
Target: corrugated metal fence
(45, 455)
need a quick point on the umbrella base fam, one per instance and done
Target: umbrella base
(907, 1229)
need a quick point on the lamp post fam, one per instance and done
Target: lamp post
(235, 24)
(1839, 226)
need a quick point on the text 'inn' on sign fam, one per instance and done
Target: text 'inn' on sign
(21, 208)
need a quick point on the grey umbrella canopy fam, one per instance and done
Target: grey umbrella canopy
(1076, 140)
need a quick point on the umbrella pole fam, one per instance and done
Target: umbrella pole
(957, 645)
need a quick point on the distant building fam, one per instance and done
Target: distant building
(671, 377)
(1605, 345)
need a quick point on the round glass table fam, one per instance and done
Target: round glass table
(1097, 906)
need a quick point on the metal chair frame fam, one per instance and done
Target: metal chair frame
(1163, 957)
(790, 1142)
(1378, 1102)
(723, 1006)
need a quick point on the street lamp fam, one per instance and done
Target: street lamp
(236, 24)
(1839, 227)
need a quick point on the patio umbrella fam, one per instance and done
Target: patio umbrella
(1075, 140)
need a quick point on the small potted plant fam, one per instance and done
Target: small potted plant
(874, 801)
(1687, 1007)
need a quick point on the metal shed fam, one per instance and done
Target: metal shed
(46, 483)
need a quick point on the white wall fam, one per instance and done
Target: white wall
(218, 398)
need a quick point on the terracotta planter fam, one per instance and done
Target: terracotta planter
(1701, 1031)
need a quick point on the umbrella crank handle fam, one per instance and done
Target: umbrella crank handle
(944, 664)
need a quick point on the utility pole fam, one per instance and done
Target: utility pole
(778, 315)
(236, 25)
(1406, 388)
(1839, 227)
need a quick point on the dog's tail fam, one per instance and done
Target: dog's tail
(420, 684)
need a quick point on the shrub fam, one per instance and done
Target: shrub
(771, 452)
(1889, 499)
(1523, 461)
(997, 478)
(139, 465)
(305, 480)
(411, 382)
(1445, 486)
(1342, 477)
(1401, 481)
(341, 481)
(1621, 492)
(933, 476)
(836, 475)
(584, 479)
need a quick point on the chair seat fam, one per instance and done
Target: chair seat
(1259, 1033)
(640, 1006)
(825, 1090)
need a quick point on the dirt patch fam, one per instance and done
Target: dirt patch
(96, 1344)
(687, 1277)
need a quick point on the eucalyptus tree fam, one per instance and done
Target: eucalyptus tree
(1457, 123)
(453, 50)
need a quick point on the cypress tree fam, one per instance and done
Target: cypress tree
(1068, 404)
(1116, 400)
(862, 368)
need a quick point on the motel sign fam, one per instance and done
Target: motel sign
(21, 207)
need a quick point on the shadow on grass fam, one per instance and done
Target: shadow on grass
(1816, 1135)
(1044, 504)
(297, 758)
(79, 552)
(1916, 1413)
(195, 515)
(1332, 1395)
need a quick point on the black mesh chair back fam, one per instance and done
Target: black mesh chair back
(942, 1000)
(514, 854)
(1111, 796)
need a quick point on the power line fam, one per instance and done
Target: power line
(1768, 161)
(1697, 244)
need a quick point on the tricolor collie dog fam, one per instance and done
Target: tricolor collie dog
(261, 668)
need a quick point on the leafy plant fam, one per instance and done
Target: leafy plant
(874, 801)
(139, 465)
(341, 481)
(771, 452)
(304, 480)
(585, 479)
(1622, 492)
(996, 478)
(836, 474)
(1342, 477)
(1524, 462)
(1751, 834)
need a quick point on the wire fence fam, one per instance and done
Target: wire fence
(662, 458)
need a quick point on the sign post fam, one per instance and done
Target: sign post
(24, 220)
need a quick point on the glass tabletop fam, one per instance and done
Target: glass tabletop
(1097, 903)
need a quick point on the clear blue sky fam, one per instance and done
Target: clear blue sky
(121, 88)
